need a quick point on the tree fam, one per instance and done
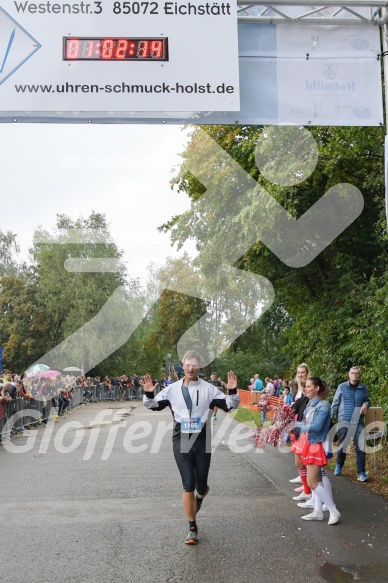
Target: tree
(177, 311)
(9, 249)
(72, 298)
(22, 321)
(322, 302)
(205, 309)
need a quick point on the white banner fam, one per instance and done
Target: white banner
(116, 56)
(329, 91)
(326, 40)
(308, 75)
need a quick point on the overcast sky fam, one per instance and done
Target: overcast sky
(122, 171)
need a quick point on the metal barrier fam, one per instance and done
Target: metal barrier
(16, 407)
(42, 406)
(99, 394)
(117, 394)
(133, 394)
(78, 397)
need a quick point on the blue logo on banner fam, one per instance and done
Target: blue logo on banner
(362, 111)
(16, 45)
(360, 44)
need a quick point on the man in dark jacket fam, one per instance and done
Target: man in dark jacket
(11, 390)
(350, 403)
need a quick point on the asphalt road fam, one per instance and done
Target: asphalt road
(103, 504)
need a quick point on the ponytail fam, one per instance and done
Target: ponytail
(323, 392)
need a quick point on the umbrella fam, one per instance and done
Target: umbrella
(48, 373)
(37, 368)
(73, 371)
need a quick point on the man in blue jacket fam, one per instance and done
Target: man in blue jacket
(349, 405)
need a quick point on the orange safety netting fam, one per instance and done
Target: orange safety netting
(250, 399)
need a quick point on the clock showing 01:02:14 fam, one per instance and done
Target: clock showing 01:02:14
(115, 49)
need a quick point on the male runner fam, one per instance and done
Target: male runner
(191, 401)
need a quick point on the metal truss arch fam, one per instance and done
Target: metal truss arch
(329, 12)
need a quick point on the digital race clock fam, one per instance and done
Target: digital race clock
(115, 49)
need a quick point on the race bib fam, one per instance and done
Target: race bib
(191, 425)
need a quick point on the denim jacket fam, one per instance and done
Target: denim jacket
(318, 425)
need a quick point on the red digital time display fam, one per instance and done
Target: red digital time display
(115, 49)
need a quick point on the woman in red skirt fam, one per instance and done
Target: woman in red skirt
(301, 402)
(314, 429)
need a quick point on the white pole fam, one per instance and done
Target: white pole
(384, 14)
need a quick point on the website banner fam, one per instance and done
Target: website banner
(130, 56)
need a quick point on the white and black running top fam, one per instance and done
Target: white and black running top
(204, 397)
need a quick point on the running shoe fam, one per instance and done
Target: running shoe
(192, 537)
(362, 477)
(338, 470)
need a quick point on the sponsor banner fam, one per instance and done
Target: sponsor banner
(330, 92)
(120, 56)
(288, 40)
(338, 41)
(339, 84)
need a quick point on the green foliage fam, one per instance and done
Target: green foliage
(22, 321)
(9, 250)
(176, 312)
(245, 365)
(141, 354)
(332, 313)
(71, 299)
(44, 304)
(354, 333)
(227, 303)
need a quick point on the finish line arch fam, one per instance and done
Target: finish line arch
(300, 62)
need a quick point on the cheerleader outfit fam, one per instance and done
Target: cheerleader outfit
(314, 430)
(310, 453)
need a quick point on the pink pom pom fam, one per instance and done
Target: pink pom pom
(263, 404)
(274, 434)
(261, 437)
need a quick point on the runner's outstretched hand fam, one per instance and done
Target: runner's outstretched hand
(232, 380)
(147, 384)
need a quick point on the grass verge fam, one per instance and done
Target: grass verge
(244, 415)
(376, 467)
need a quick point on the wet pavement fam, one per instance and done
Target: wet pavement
(97, 497)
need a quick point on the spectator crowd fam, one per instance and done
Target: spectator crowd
(41, 392)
